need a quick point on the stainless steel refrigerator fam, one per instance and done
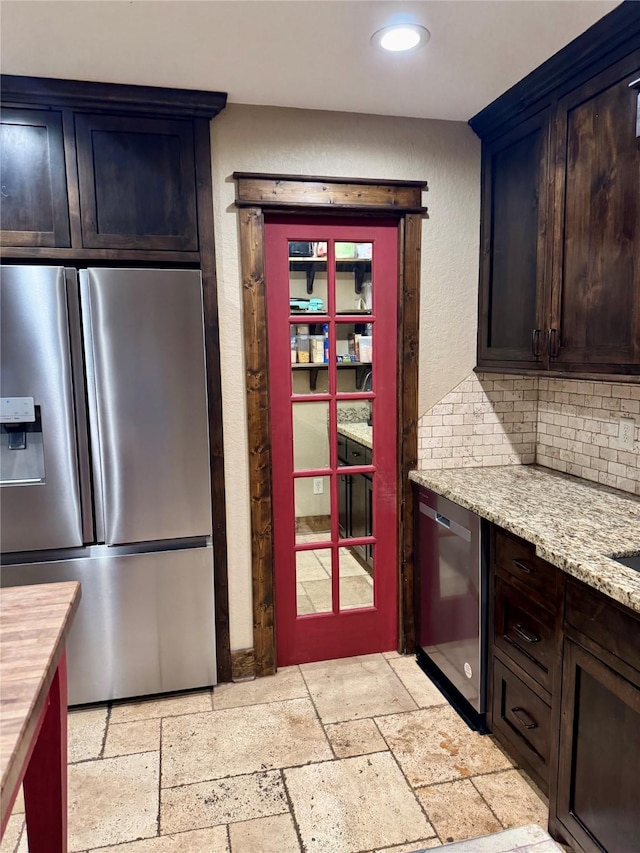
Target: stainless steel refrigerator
(104, 469)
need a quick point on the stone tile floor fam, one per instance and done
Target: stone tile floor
(346, 756)
(313, 580)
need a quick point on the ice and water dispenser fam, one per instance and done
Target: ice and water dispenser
(21, 447)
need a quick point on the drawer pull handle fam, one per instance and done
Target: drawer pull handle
(528, 723)
(524, 567)
(525, 635)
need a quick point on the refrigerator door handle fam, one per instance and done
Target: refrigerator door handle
(94, 427)
(82, 437)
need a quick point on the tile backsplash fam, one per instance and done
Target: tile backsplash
(578, 425)
(567, 425)
(488, 419)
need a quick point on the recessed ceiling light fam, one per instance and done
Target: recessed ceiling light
(401, 37)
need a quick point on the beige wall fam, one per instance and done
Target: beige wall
(264, 139)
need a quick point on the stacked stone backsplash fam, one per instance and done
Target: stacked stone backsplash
(488, 419)
(568, 425)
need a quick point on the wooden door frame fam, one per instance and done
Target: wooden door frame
(260, 194)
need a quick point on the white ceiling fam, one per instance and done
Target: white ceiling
(297, 53)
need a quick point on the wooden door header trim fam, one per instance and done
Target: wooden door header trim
(289, 192)
(268, 176)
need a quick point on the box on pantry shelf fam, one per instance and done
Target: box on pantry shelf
(366, 348)
(354, 346)
(302, 348)
(316, 348)
(345, 250)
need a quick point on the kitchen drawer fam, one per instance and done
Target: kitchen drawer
(525, 631)
(519, 559)
(357, 454)
(523, 720)
(605, 622)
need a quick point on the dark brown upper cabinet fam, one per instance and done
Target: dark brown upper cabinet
(514, 229)
(137, 183)
(33, 206)
(101, 171)
(596, 241)
(560, 219)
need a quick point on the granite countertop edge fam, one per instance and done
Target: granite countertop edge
(357, 431)
(579, 529)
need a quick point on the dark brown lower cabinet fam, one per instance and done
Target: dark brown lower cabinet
(359, 511)
(521, 719)
(525, 650)
(564, 696)
(355, 496)
(599, 760)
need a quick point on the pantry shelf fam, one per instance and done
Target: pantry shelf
(358, 266)
(313, 369)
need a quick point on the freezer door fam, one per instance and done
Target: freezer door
(147, 396)
(40, 500)
(145, 623)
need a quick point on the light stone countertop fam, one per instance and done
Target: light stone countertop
(360, 432)
(574, 524)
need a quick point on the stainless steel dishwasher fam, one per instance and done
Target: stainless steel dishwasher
(452, 603)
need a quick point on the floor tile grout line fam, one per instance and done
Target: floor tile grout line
(158, 717)
(487, 803)
(110, 757)
(417, 841)
(406, 689)
(107, 720)
(318, 717)
(159, 822)
(256, 704)
(480, 774)
(184, 832)
(410, 786)
(23, 829)
(296, 826)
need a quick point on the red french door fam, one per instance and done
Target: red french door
(332, 315)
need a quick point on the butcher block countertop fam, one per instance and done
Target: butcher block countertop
(34, 622)
(574, 524)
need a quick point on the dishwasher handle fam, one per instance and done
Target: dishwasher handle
(445, 522)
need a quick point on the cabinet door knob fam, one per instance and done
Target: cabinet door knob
(552, 343)
(520, 714)
(535, 343)
(525, 635)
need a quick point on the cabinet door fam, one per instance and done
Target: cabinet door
(344, 505)
(370, 548)
(598, 792)
(596, 271)
(137, 183)
(34, 209)
(512, 272)
(359, 511)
